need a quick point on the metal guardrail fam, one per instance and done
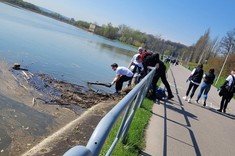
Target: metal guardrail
(129, 104)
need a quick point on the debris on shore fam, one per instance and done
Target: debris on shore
(57, 91)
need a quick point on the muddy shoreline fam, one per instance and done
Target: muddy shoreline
(43, 98)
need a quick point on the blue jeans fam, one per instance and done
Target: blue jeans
(204, 88)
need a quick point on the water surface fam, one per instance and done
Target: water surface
(48, 46)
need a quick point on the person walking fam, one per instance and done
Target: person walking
(228, 90)
(206, 85)
(122, 74)
(154, 61)
(195, 79)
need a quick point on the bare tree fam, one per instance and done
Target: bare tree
(211, 48)
(200, 47)
(228, 42)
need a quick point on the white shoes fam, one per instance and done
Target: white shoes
(189, 100)
(185, 98)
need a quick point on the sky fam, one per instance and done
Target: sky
(182, 21)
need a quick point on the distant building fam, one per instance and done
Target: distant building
(92, 27)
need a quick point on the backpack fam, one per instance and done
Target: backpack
(160, 93)
(231, 88)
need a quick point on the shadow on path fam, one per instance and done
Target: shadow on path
(214, 110)
(186, 115)
(228, 115)
(142, 153)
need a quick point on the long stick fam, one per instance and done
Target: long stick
(99, 83)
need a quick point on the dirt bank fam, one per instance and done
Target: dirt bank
(75, 133)
(37, 102)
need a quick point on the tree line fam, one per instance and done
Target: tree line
(128, 35)
(36, 9)
(213, 51)
(205, 50)
(121, 33)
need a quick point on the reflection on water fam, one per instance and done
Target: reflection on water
(47, 46)
(44, 45)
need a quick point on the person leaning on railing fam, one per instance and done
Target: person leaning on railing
(154, 61)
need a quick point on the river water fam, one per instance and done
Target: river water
(45, 45)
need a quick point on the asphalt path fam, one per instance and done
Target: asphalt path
(179, 128)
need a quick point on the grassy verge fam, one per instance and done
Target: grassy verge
(135, 140)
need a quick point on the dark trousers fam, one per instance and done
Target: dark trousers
(164, 81)
(119, 83)
(225, 100)
(191, 85)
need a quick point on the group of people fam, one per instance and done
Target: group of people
(143, 59)
(138, 65)
(226, 90)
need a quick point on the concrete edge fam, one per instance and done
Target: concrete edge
(61, 133)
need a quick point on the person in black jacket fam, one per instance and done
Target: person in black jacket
(154, 61)
(195, 80)
(229, 89)
(206, 85)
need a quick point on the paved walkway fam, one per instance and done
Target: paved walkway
(178, 128)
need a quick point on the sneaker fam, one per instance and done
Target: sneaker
(189, 100)
(116, 93)
(197, 101)
(224, 111)
(170, 97)
(184, 98)
(204, 104)
(219, 110)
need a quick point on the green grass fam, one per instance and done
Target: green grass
(190, 65)
(134, 140)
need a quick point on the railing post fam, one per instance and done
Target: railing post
(129, 104)
(120, 130)
(147, 85)
(135, 106)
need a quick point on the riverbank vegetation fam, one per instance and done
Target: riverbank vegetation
(213, 53)
(122, 33)
(39, 10)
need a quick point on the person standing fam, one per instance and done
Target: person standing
(206, 85)
(229, 89)
(122, 74)
(195, 80)
(154, 61)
